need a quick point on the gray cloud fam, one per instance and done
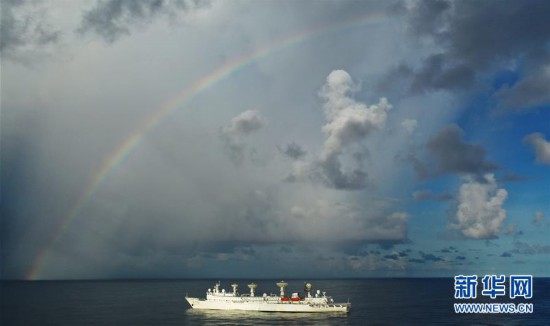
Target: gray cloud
(23, 25)
(154, 211)
(527, 249)
(480, 214)
(410, 125)
(450, 154)
(233, 135)
(112, 19)
(468, 46)
(540, 146)
(531, 91)
(293, 151)
(392, 257)
(417, 261)
(434, 74)
(430, 257)
(360, 227)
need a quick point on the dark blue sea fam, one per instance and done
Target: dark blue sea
(407, 301)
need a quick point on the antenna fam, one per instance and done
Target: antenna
(307, 288)
(282, 285)
(252, 286)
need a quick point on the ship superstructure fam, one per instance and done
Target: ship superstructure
(217, 299)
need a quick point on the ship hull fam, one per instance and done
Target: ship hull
(258, 305)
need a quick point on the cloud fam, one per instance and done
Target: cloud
(112, 19)
(409, 125)
(450, 154)
(155, 212)
(462, 46)
(527, 249)
(480, 214)
(338, 221)
(512, 230)
(293, 151)
(244, 124)
(348, 121)
(430, 257)
(538, 217)
(425, 258)
(417, 261)
(348, 124)
(392, 257)
(540, 146)
(533, 90)
(24, 25)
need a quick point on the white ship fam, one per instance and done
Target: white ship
(308, 302)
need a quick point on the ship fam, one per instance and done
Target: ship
(217, 299)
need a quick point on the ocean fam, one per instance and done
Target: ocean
(406, 301)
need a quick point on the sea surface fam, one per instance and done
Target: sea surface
(407, 301)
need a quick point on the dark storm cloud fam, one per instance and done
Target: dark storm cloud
(112, 19)
(435, 74)
(450, 154)
(16, 154)
(293, 151)
(21, 27)
(475, 38)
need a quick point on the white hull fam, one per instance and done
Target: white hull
(258, 304)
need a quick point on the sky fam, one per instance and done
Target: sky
(269, 139)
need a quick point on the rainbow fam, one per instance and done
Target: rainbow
(180, 100)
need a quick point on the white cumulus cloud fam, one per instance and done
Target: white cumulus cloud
(480, 214)
(348, 122)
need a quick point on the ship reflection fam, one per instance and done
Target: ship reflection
(233, 317)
